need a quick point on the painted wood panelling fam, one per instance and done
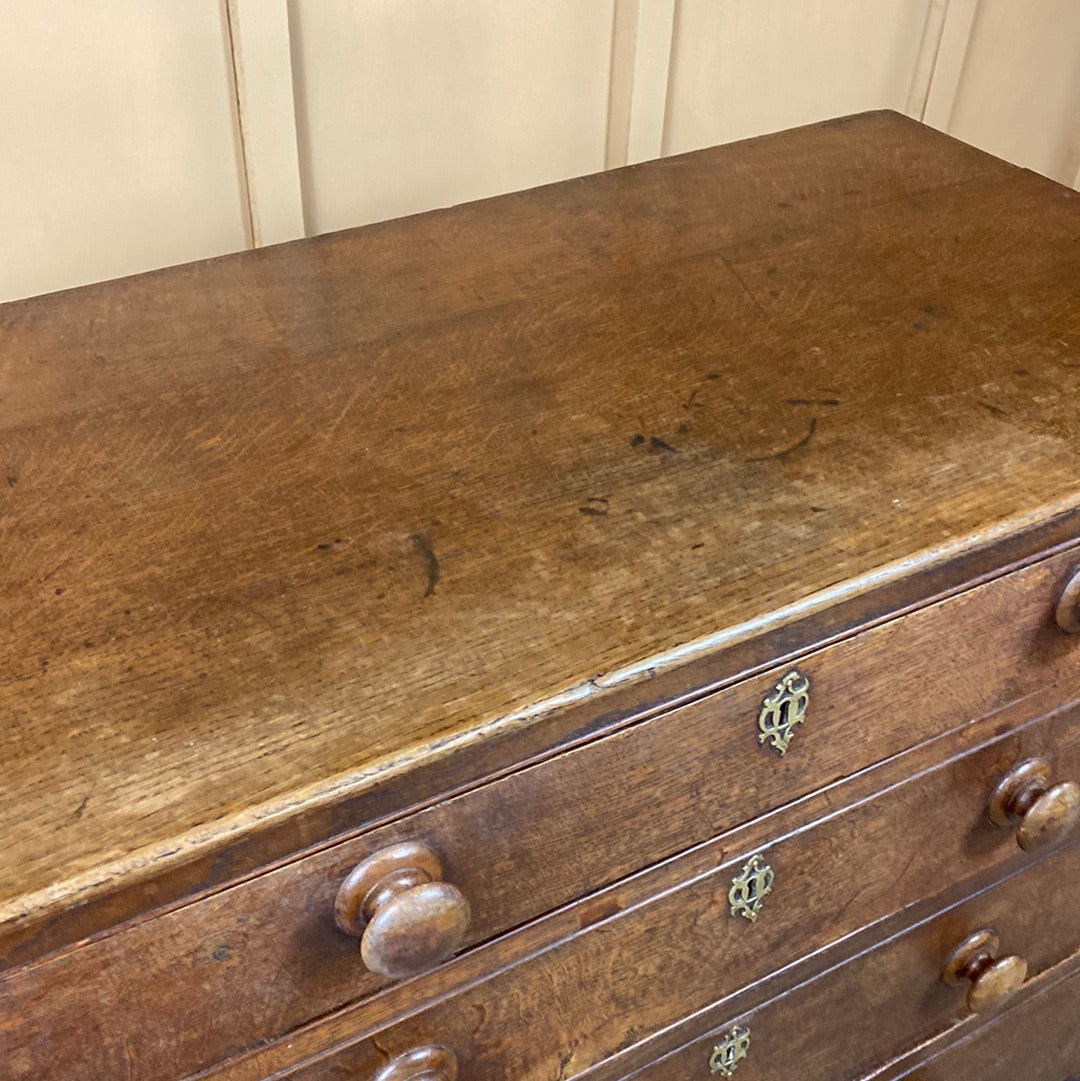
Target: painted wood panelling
(118, 148)
(1019, 91)
(262, 65)
(641, 68)
(745, 67)
(406, 106)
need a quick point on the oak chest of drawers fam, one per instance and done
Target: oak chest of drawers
(627, 628)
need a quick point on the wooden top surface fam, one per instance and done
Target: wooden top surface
(281, 525)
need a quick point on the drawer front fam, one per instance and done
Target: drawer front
(854, 1018)
(1039, 1040)
(267, 953)
(676, 953)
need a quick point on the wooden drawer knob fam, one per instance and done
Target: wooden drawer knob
(1068, 606)
(406, 917)
(1041, 813)
(992, 978)
(420, 1064)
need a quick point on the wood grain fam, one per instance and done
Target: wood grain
(862, 820)
(897, 983)
(287, 527)
(1039, 1040)
(547, 835)
(636, 972)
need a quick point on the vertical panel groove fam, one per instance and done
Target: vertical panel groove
(673, 58)
(265, 94)
(949, 63)
(300, 115)
(624, 30)
(236, 74)
(926, 61)
(652, 76)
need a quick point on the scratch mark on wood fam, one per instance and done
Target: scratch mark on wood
(82, 807)
(994, 410)
(594, 512)
(812, 401)
(333, 426)
(431, 562)
(746, 288)
(787, 452)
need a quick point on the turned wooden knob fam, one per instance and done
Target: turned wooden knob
(1067, 612)
(406, 917)
(420, 1064)
(1041, 813)
(992, 978)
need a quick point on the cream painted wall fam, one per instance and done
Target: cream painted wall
(118, 147)
(744, 67)
(407, 106)
(1019, 96)
(138, 133)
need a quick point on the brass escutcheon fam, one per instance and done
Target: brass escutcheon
(784, 710)
(750, 887)
(729, 1052)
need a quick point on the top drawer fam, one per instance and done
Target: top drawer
(267, 955)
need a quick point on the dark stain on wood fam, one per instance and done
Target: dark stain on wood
(655, 443)
(431, 561)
